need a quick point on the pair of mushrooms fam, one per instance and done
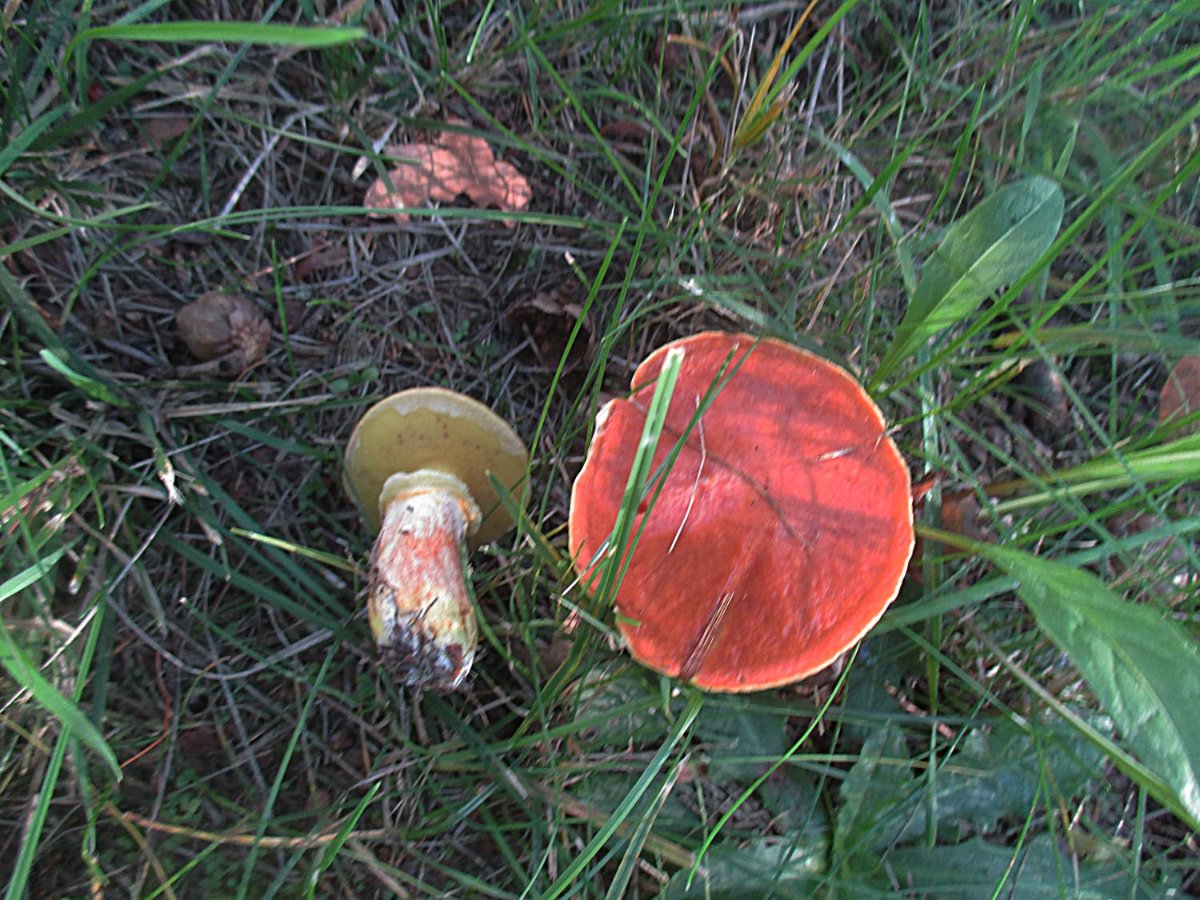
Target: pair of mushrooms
(776, 539)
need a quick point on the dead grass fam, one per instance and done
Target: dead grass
(260, 748)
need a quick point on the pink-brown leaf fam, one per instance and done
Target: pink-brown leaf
(1181, 394)
(456, 164)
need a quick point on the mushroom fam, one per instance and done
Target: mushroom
(418, 464)
(781, 532)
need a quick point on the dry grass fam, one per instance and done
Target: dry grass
(214, 566)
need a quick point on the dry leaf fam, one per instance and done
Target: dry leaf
(161, 130)
(960, 514)
(1181, 393)
(321, 257)
(224, 329)
(456, 164)
(549, 318)
(1161, 567)
(1041, 402)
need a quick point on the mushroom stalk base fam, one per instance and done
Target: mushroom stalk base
(420, 610)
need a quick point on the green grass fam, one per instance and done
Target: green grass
(182, 577)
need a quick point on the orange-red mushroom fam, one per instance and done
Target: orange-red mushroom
(782, 531)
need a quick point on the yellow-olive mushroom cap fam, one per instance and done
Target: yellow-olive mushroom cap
(436, 429)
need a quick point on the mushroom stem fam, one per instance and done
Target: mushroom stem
(420, 609)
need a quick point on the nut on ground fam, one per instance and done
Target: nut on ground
(226, 327)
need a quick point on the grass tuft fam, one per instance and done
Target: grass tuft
(182, 576)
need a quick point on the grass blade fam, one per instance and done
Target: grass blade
(334, 847)
(198, 32)
(1174, 460)
(27, 677)
(12, 152)
(45, 798)
(656, 416)
(24, 579)
(765, 106)
(678, 732)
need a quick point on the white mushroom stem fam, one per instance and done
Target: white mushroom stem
(420, 609)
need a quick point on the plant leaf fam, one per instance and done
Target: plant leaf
(1178, 459)
(991, 246)
(1143, 667)
(31, 575)
(762, 867)
(91, 114)
(879, 785)
(755, 120)
(744, 734)
(12, 152)
(1040, 868)
(996, 771)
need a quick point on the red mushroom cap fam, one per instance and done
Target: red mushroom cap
(782, 532)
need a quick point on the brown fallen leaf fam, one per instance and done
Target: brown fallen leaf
(161, 130)
(321, 257)
(1041, 402)
(1181, 393)
(455, 164)
(960, 513)
(549, 319)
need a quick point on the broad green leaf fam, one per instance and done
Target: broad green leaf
(997, 771)
(883, 660)
(586, 855)
(763, 867)
(792, 796)
(1041, 868)
(27, 676)
(744, 736)
(618, 706)
(1143, 667)
(878, 784)
(990, 247)
(604, 789)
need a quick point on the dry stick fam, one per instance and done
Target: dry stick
(140, 839)
(695, 484)
(242, 839)
(669, 850)
(375, 867)
(248, 175)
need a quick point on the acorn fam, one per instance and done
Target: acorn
(227, 327)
